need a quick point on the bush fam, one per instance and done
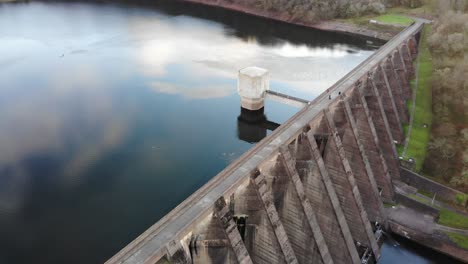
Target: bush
(461, 199)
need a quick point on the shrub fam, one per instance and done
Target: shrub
(461, 199)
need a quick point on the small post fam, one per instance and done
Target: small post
(253, 82)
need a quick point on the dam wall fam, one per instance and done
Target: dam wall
(312, 191)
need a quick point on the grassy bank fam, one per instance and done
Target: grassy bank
(458, 239)
(388, 18)
(446, 217)
(394, 19)
(452, 219)
(426, 11)
(420, 132)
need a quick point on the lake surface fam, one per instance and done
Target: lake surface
(112, 114)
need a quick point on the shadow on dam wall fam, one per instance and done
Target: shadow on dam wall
(265, 31)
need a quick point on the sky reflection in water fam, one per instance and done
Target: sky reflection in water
(111, 115)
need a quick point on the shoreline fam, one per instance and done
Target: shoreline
(329, 25)
(326, 25)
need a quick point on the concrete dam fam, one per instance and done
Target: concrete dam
(312, 191)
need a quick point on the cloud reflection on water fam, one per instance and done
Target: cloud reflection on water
(100, 103)
(70, 116)
(179, 55)
(211, 53)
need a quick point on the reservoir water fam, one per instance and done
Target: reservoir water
(112, 114)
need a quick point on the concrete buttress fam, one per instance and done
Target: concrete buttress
(380, 84)
(321, 192)
(347, 189)
(372, 101)
(318, 240)
(278, 228)
(232, 233)
(370, 142)
(400, 72)
(356, 155)
(396, 91)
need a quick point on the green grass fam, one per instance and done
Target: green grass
(420, 135)
(400, 147)
(452, 219)
(419, 199)
(458, 202)
(437, 197)
(424, 10)
(394, 19)
(460, 240)
(389, 21)
(425, 193)
(389, 204)
(461, 199)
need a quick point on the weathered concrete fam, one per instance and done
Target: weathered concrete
(302, 194)
(408, 58)
(413, 47)
(270, 208)
(370, 142)
(397, 91)
(381, 86)
(344, 182)
(358, 160)
(400, 71)
(373, 102)
(252, 84)
(286, 99)
(290, 211)
(230, 228)
(319, 240)
(320, 191)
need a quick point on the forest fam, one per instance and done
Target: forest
(447, 158)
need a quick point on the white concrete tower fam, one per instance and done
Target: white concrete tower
(253, 82)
